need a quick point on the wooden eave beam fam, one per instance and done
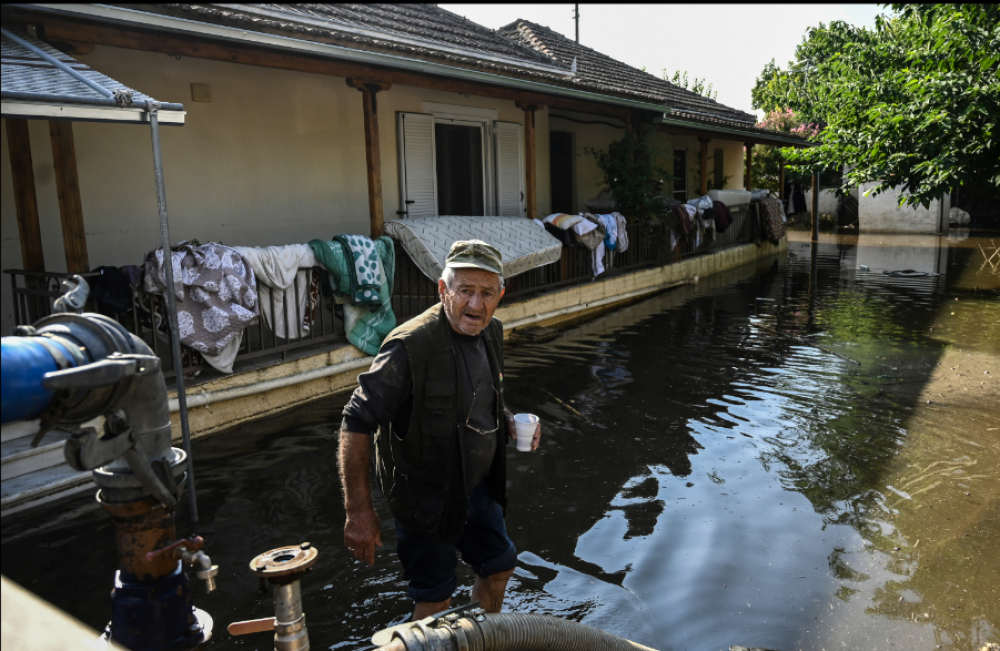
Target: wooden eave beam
(25, 200)
(369, 92)
(59, 29)
(530, 174)
(70, 205)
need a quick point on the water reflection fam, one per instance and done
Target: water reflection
(725, 484)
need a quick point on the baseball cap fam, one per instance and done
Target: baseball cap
(474, 254)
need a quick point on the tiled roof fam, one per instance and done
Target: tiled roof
(23, 71)
(418, 31)
(602, 72)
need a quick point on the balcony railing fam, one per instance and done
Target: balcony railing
(33, 293)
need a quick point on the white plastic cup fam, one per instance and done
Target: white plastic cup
(524, 427)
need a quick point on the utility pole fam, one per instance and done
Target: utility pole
(576, 18)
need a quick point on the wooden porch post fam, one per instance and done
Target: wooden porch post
(815, 207)
(23, 176)
(704, 165)
(70, 206)
(748, 174)
(369, 90)
(530, 181)
(781, 179)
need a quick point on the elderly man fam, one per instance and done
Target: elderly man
(434, 399)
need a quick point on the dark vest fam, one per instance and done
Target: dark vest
(421, 473)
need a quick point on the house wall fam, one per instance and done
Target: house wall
(882, 214)
(733, 161)
(277, 157)
(827, 202)
(597, 136)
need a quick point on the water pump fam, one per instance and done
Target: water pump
(68, 369)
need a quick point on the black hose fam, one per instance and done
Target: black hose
(507, 632)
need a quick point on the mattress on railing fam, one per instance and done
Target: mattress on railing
(522, 242)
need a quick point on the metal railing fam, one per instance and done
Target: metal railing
(33, 293)
(413, 292)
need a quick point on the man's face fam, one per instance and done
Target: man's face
(471, 300)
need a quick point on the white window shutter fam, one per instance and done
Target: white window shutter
(417, 166)
(509, 169)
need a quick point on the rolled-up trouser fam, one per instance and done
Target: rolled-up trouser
(429, 565)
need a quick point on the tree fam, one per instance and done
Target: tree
(913, 103)
(698, 86)
(767, 159)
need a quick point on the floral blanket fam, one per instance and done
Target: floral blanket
(216, 294)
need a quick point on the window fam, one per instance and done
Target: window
(454, 164)
(460, 169)
(680, 175)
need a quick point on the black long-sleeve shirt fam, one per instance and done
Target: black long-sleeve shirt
(385, 393)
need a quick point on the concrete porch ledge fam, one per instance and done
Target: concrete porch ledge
(228, 402)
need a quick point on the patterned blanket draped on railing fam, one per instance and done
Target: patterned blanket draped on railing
(216, 296)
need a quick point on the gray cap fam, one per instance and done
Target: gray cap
(474, 254)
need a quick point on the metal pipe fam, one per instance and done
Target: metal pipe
(175, 337)
(88, 101)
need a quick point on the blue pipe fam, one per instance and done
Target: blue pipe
(23, 363)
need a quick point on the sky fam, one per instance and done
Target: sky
(728, 45)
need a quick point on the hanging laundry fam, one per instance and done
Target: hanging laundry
(622, 242)
(363, 265)
(773, 224)
(723, 218)
(279, 269)
(111, 290)
(134, 273)
(216, 295)
(597, 260)
(684, 213)
(562, 220)
(564, 236)
(367, 326)
(589, 232)
(611, 226)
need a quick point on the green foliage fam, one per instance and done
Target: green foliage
(697, 86)
(913, 103)
(767, 160)
(631, 168)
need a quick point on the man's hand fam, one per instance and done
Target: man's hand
(512, 430)
(362, 530)
(362, 534)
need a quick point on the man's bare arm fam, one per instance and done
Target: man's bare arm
(362, 530)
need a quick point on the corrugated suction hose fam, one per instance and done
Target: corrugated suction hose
(506, 632)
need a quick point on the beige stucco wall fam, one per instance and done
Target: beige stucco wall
(277, 157)
(732, 159)
(594, 136)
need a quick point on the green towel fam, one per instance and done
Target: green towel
(363, 265)
(367, 327)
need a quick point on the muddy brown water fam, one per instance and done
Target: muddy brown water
(724, 485)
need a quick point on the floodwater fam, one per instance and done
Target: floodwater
(724, 484)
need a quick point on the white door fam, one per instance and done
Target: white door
(509, 169)
(417, 167)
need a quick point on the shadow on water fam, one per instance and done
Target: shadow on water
(724, 485)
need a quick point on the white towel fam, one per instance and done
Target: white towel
(277, 269)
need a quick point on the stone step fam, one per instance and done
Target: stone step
(18, 458)
(41, 486)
